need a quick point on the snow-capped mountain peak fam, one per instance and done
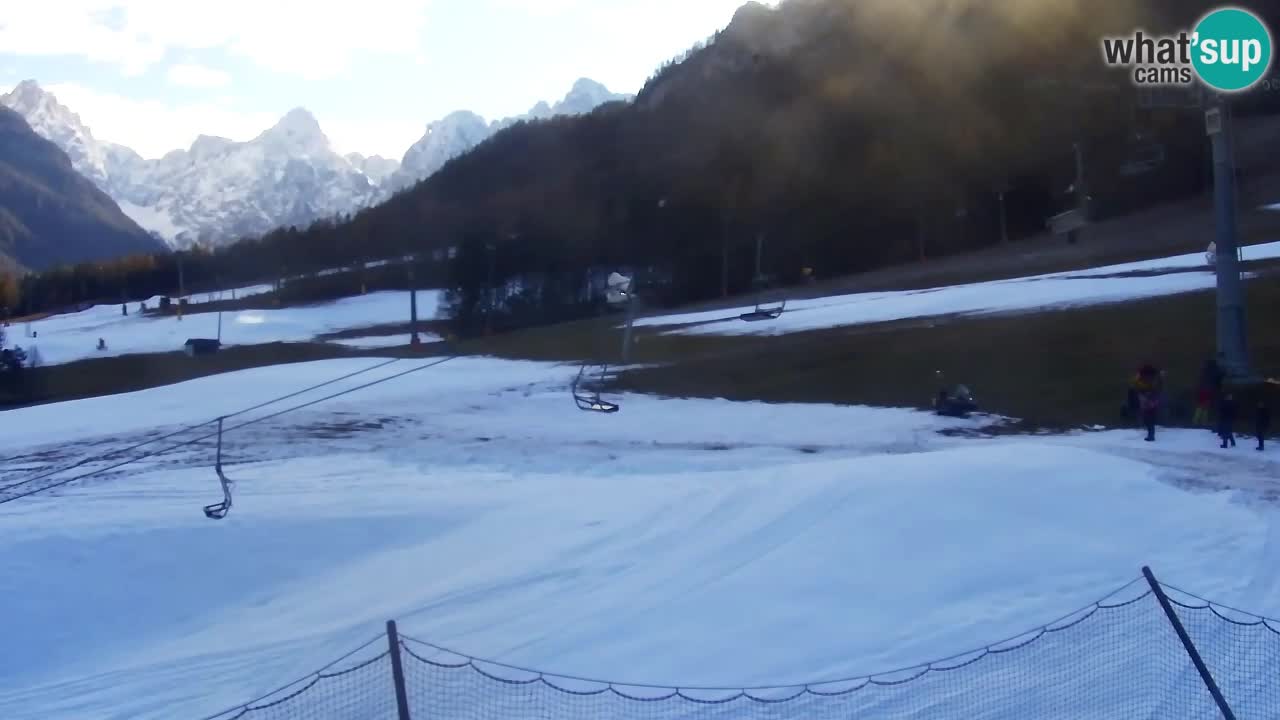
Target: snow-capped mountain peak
(56, 122)
(299, 131)
(444, 140)
(209, 146)
(458, 132)
(585, 96)
(220, 189)
(541, 111)
(374, 167)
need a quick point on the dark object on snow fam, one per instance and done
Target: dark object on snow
(761, 281)
(1150, 405)
(13, 360)
(772, 312)
(202, 346)
(1227, 420)
(957, 402)
(589, 400)
(1261, 423)
(219, 510)
(102, 344)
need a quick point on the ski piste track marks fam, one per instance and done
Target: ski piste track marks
(31, 488)
(295, 441)
(331, 426)
(324, 432)
(1212, 469)
(186, 428)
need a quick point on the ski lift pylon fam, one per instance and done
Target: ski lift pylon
(590, 401)
(219, 510)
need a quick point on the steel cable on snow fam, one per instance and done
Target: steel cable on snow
(187, 443)
(41, 475)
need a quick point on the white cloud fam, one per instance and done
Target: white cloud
(74, 27)
(154, 128)
(388, 138)
(197, 76)
(301, 37)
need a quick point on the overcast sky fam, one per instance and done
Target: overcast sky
(153, 74)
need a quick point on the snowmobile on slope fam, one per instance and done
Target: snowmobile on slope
(955, 401)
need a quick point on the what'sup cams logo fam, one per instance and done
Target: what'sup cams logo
(1229, 50)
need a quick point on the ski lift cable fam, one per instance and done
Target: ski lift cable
(202, 438)
(188, 428)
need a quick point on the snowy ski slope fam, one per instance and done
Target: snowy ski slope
(74, 336)
(1169, 276)
(683, 542)
(678, 542)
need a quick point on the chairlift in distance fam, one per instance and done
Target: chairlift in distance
(617, 289)
(766, 311)
(1145, 155)
(617, 292)
(590, 400)
(219, 510)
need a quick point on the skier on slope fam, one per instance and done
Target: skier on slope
(1227, 420)
(1149, 404)
(1150, 388)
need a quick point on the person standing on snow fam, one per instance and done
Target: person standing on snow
(1227, 420)
(1150, 406)
(1261, 423)
(1211, 377)
(1204, 400)
(1149, 389)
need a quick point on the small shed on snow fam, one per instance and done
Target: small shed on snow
(202, 346)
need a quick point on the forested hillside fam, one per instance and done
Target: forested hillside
(49, 214)
(848, 135)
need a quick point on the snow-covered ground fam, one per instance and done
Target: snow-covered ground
(74, 336)
(385, 341)
(1169, 276)
(679, 541)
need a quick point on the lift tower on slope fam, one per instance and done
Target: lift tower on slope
(1232, 337)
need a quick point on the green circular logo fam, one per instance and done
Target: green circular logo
(1231, 49)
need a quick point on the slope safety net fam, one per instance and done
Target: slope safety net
(359, 687)
(1117, 659)
(1240, 649)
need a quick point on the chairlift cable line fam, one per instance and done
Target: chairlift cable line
(208, 436)
(259, 406)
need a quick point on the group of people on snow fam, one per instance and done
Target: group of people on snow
(1213, 401)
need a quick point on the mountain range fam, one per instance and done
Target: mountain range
(49, 213)
(219, 190)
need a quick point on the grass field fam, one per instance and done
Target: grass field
(1064, 368)
(1056, 369)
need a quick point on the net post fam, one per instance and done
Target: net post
(397, 671)
(1190, 647)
